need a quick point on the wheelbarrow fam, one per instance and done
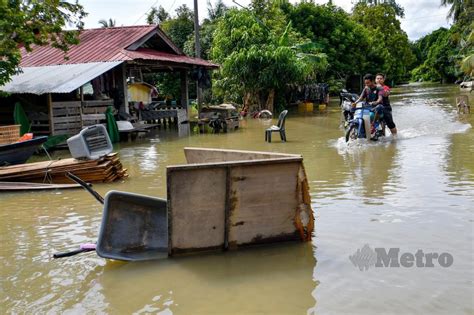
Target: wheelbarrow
(134, 227)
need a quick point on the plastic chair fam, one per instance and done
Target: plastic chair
(280, 127)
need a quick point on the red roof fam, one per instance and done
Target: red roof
(151, 54)
(108, 44)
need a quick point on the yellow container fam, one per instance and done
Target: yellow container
(322, 107)
(305, 107)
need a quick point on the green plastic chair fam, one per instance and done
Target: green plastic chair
(280, 127)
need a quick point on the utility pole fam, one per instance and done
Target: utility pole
(198, 51)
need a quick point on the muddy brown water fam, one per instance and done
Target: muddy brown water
(415, 193)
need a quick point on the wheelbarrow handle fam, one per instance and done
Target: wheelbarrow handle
(85, 186)
(72, 253)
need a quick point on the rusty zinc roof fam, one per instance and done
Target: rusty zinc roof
(151, 54)
(107, 45)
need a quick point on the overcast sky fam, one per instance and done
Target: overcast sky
(421, 16)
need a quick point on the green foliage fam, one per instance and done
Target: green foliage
(206, 30)
(260, 56)
(399, 11)
(217, 11)
(24, 23)
(180, 27)
(157, 15)
(206, 35)
(343, 41)
(106, 24)
(168, 84)
(447, 55)
(436, 54)
(389, 51)
(457, 8)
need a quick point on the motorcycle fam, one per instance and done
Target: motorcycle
(346, 100)
(363, 123)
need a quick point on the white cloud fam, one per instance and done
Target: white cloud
(421, 16)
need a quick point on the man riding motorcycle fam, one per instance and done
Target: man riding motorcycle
(373, 95)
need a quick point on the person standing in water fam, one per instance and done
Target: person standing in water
(387, 108)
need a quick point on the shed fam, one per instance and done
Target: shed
(52, 87)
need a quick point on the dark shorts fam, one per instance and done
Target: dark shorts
(387, 117)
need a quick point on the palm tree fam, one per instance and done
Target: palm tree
(106, 24)
(457, 7)
(216, 11)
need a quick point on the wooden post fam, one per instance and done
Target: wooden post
(125, 88)
(50, 113)
(197, 47)
(185, 92)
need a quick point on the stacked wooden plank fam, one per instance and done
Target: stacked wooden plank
(106, 169)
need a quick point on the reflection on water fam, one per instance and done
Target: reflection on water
(416, 192)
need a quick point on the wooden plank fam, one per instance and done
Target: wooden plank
(67, 119)
(25, 186)
(101, 103)
(264, 203)
(66, 112)
(50, 114)
(206, 155)
(261, 198)
(93, 116)
(235, 163)
(106, 169)
(73, 104)
(70, 126)
(45, 164)
(196, 209)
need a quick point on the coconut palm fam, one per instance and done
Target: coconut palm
(106, 24)
(457, 7)
(216, 11)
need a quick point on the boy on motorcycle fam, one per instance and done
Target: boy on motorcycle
(387, 109)
(373, 95)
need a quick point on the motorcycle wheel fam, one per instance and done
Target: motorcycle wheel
(351, 133)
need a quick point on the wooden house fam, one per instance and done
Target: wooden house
(63, 93)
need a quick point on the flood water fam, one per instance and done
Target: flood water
(415, 193)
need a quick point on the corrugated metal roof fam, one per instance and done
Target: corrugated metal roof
(95, 45)
(110, 44)
(56, 79)
(151, 54)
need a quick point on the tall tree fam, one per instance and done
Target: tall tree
(206, 30)
(107, 23)
(217, 10)
(24, 23)
(180, 27)
(457, 7)
(389, 43)
(157, 16)
(345, 42)
(392, 3)
(257, 57)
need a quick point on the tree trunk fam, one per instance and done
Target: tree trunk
(247, 100)
(270, 100)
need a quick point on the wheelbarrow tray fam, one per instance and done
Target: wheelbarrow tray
(134, 227)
